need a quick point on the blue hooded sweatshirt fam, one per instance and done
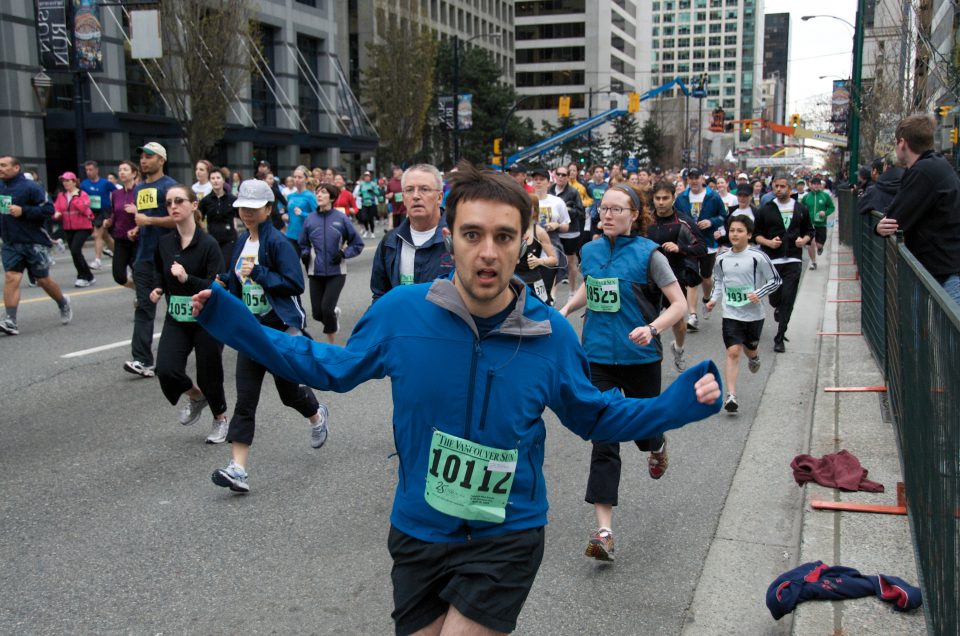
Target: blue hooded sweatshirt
(444, 377)
(28, 227)
(712, 209)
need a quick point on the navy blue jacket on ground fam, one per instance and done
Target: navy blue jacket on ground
(818, 581)
(28, 227)
(444, 377)
(432, 261)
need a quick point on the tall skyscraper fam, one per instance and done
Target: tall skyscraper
(595, 52)
(720, 38)
(776, 52)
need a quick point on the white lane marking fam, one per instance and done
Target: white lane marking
(114, 345)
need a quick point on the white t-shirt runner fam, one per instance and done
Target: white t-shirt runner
(786, 213)
(408, 253)
(252, 293)
(696, 202)
(552, 209)
(729, 199)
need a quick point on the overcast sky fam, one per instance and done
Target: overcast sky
(820, 46)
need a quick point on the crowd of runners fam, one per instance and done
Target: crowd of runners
(466, 269)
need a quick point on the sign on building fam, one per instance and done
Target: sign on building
(53, 38)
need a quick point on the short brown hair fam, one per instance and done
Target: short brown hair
(917, 131)
(473, 183)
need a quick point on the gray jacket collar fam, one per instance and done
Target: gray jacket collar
(444, 294)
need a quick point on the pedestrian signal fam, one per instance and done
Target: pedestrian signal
(716, 122)
(633, 104)
(563, 108)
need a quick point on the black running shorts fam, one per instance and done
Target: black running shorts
(820, 234)
(486, 579)
(707, 261)
(740, 332)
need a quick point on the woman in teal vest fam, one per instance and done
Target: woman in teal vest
(625, 276)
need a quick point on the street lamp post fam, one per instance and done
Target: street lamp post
(853, 143)
(456, 88)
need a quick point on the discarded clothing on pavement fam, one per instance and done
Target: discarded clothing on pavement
(835, 470)
(816, 580)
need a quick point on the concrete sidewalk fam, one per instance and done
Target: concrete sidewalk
(767, 526)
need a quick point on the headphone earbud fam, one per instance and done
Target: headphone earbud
(523, 249)
(448, 241)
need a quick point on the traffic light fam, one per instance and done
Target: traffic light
(633, 104)
(944, 110)
(563, 107)
(746, 128)
(954, 136)
(795, 120)
(496, 146)
(716, 123)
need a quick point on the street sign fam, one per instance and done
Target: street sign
(830, 138)
(762, 162)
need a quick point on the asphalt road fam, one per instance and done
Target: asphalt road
(109, 521)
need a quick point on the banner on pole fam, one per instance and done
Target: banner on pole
(87, 34)
(53, 38)
(145, 35)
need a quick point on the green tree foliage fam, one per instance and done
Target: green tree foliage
(571, 149)
(492, 100)
(206, 62)
(625, 139)
(652, 149)
(398, 90)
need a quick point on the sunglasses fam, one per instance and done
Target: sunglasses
(176, 201)
(560, 174)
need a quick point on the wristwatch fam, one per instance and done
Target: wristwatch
(653, 331)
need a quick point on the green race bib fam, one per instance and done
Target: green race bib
(179, 308)
(738, 296)
(787, 217)
(398, 197)
(95, 201)
(469, 480)
(406, 279)
(255, 299)
(603, 294)
(5, 203)
(597, 193)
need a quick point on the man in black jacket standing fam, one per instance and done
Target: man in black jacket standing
(782, 229)
(927, 208)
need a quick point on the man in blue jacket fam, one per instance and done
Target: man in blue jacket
(415, 251)
(473, 362)
(708, 212)
(23, 209)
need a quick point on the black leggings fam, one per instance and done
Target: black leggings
(637, 381)
(786, 295)
(124, 250)
(324, 294)
(368, 216)
(75, 241)
(177, 340)
(249, 382)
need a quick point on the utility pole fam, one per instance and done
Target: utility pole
(456, 99)
(854, 138)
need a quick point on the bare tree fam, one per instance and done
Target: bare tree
(206, 63)
(398, 88)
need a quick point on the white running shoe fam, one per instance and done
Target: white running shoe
(218, 432)
(66, 312)
(318, 431)
(233, 477)
(754, 364)
(95, 265)
(190, 412)
(678, 360)
(693, 323)
(731, 405)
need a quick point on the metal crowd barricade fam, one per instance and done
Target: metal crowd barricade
(913, 329)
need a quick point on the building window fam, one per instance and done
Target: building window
(263, 105)
(730, 40)
(550, 31)
(550, 7)
(555, 54)
(549, 102)
(550, 78)
(309, 103)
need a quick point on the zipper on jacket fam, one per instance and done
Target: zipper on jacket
(470, 384)
(533, 470)
(486, 399)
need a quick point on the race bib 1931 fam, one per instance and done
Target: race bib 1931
(255, 299)
(147, 199)
(469, 480)
(179, 308)
(738, 296)
(5, 202)
(603, 294)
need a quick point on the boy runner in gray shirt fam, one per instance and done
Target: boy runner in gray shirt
(742, 276)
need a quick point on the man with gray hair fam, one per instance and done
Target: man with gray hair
(414, 251)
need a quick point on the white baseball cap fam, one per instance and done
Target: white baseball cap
(253, 193)
(153, 148)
